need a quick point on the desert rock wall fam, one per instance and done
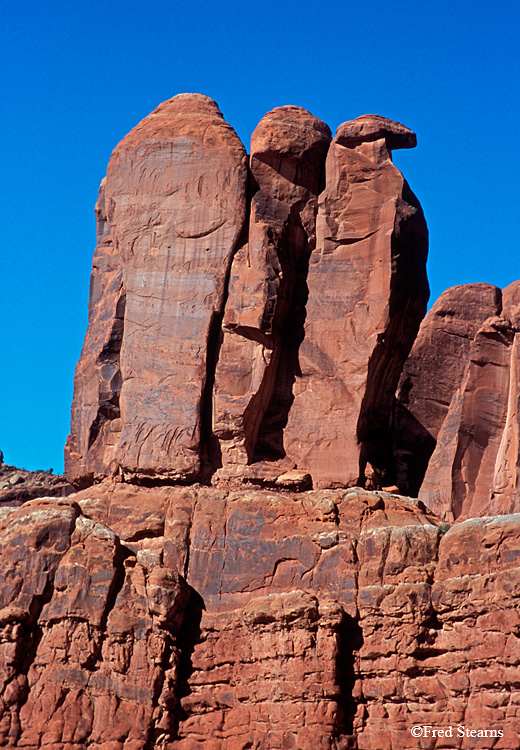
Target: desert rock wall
(178, 618)
(268, 448)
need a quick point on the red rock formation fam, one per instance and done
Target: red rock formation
(474, 468)
(326, 619)
(96, 415)
(170, 218)
(432, 373)
(265, 308)
(367, 296)
(268, 347)
(17, 486)
(175, 198)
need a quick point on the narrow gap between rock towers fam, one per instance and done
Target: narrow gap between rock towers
(210, 453)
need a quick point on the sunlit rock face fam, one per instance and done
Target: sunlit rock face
(432, 374)
(367, 292)
(456, 415)
(248, 317)
(175, 617)
(253, 317)
(216, 582)
(174, 204)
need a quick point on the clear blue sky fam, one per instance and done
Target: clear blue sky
(77, 76)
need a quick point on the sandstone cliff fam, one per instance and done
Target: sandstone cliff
(231, 574)
(244, 322)
(191, 617)
(457, 441)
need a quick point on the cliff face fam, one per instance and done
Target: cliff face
(185, 617)
(244, 322)
(457, 432)
(231, 574)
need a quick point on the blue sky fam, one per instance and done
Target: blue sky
(77, 76)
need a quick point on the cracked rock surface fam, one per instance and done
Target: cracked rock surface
(249, 316)
(252, 619)
(236, 569)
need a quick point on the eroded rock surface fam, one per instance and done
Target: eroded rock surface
(433, 372)
(17, 486)
(324, 619)
(367, 296)
(96, 415)
(207, 279)
(474, 468)
(263, 323)
(249, 323)
(174, 207)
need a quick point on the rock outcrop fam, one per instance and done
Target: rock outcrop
(367, 296)
(263, 323)
(457, 434)
(171, 214)
(433, 372)
(17, 485)
(250, 323)
(246, 347)
(182, 617)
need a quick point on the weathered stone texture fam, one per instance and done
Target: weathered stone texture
(433, 372)
(474, 468)
(175, 204)
(367, 295)
(325, 619)
(192, 361)
(96, 416)
(17, 486)
(263, 323)
(250, 325)
(88, 633)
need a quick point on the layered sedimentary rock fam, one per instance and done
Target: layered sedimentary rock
(433, 372)
(367, 296)
(181, 617)
(175, 206)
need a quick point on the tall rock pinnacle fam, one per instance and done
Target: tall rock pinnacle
(246, 322)
(175, 203)
(367, 296)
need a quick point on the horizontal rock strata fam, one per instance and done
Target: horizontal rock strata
(176, 618)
